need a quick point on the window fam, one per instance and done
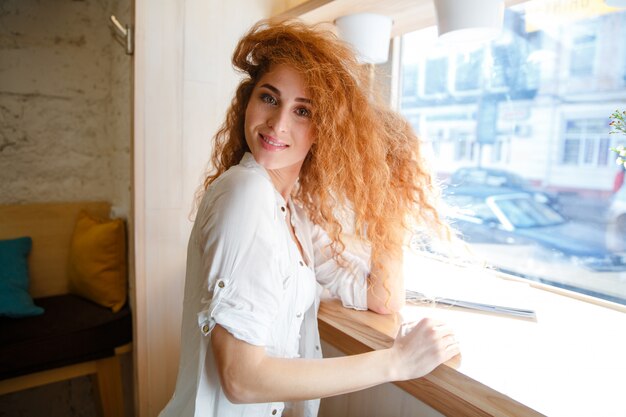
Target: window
(498, 152)
(519, 128)
(585, 142)
(436, 76)
(410, 75)
(464, 146)
(500, 65)
(582, 55)
(467, 71)
(571, 148)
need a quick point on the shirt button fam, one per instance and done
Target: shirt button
(317, 347)
(299, 315)
(274, 411)
(205, 329)
(301, 263)
(282, 208)
(221, 284)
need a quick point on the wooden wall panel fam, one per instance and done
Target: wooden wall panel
(183, 83)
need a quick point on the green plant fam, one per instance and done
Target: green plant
(618, 125)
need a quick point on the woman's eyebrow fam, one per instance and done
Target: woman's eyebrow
(277, 92)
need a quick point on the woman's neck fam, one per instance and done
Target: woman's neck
(283, 181)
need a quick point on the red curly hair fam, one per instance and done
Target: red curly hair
(365, 159)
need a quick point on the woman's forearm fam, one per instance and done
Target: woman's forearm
(248, 375)
(385, 294)
(386, 281)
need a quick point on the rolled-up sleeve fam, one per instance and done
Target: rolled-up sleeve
(238, 238)
(347, 281)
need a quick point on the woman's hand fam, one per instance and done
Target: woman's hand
(420, 348)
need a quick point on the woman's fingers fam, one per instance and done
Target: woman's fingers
(423, 346)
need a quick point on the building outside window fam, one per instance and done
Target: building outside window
(518, 133)
(582, 54)
(436, 74)
(586, 142)
(467, 71)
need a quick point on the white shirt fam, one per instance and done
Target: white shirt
(245, 273)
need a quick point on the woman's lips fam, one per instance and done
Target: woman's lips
(271, 144)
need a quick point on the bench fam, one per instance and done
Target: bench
(73, 337)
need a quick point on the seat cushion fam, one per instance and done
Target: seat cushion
(71, 330)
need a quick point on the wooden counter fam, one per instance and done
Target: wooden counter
(570, 361)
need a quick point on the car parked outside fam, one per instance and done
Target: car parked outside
(508, 217)
(500, 178)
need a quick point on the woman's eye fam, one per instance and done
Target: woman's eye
(266, 98)
(303, 112)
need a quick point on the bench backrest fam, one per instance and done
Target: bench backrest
(50, 225)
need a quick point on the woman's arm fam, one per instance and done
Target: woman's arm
(248, 375)
(347, 281)
(385, 293)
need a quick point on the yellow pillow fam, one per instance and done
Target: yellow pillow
(97, 261)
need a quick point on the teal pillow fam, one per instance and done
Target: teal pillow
(14, 298)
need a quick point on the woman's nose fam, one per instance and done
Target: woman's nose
(278, 120)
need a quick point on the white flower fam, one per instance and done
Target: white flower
(619, 161)
(620, 148)
(622, 153)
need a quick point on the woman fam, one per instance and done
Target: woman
(303, 148)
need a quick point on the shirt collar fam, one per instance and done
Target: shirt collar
(249, 162)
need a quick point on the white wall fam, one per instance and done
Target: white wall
(65, 103)
(183, 84)
(65, 135)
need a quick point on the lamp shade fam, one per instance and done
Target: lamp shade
(369, 35)
(469, 20)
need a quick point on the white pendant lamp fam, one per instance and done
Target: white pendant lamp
(463, 21)
(368, 33)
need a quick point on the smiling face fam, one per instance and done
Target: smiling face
(278, 124)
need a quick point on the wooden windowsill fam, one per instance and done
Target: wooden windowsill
(568, 362)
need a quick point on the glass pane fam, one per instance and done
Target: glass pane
(583, 53)
(468, 68)
(436, 77)
(519, 131)
(603, 151)
(571, 148)
(409, 88)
